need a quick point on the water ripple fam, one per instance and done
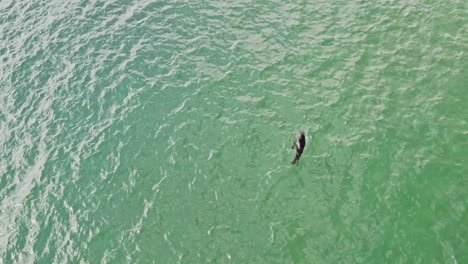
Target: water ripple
(161, 131)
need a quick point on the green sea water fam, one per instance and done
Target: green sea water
(160, 131)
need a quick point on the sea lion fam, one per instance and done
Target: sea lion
(299, 145)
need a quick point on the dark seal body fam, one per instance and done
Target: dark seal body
(299, 145)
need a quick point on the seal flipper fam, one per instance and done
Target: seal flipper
(294, 145)
(295, 160)
(298, 156)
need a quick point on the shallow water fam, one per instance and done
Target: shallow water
(160, 131)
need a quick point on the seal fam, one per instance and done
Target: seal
(299, 145)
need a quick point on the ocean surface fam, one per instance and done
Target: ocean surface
(160, 131)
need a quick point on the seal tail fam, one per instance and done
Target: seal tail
(295, 160)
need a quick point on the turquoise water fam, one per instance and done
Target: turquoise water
(160, 131)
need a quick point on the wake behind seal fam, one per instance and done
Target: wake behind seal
(299, 145)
